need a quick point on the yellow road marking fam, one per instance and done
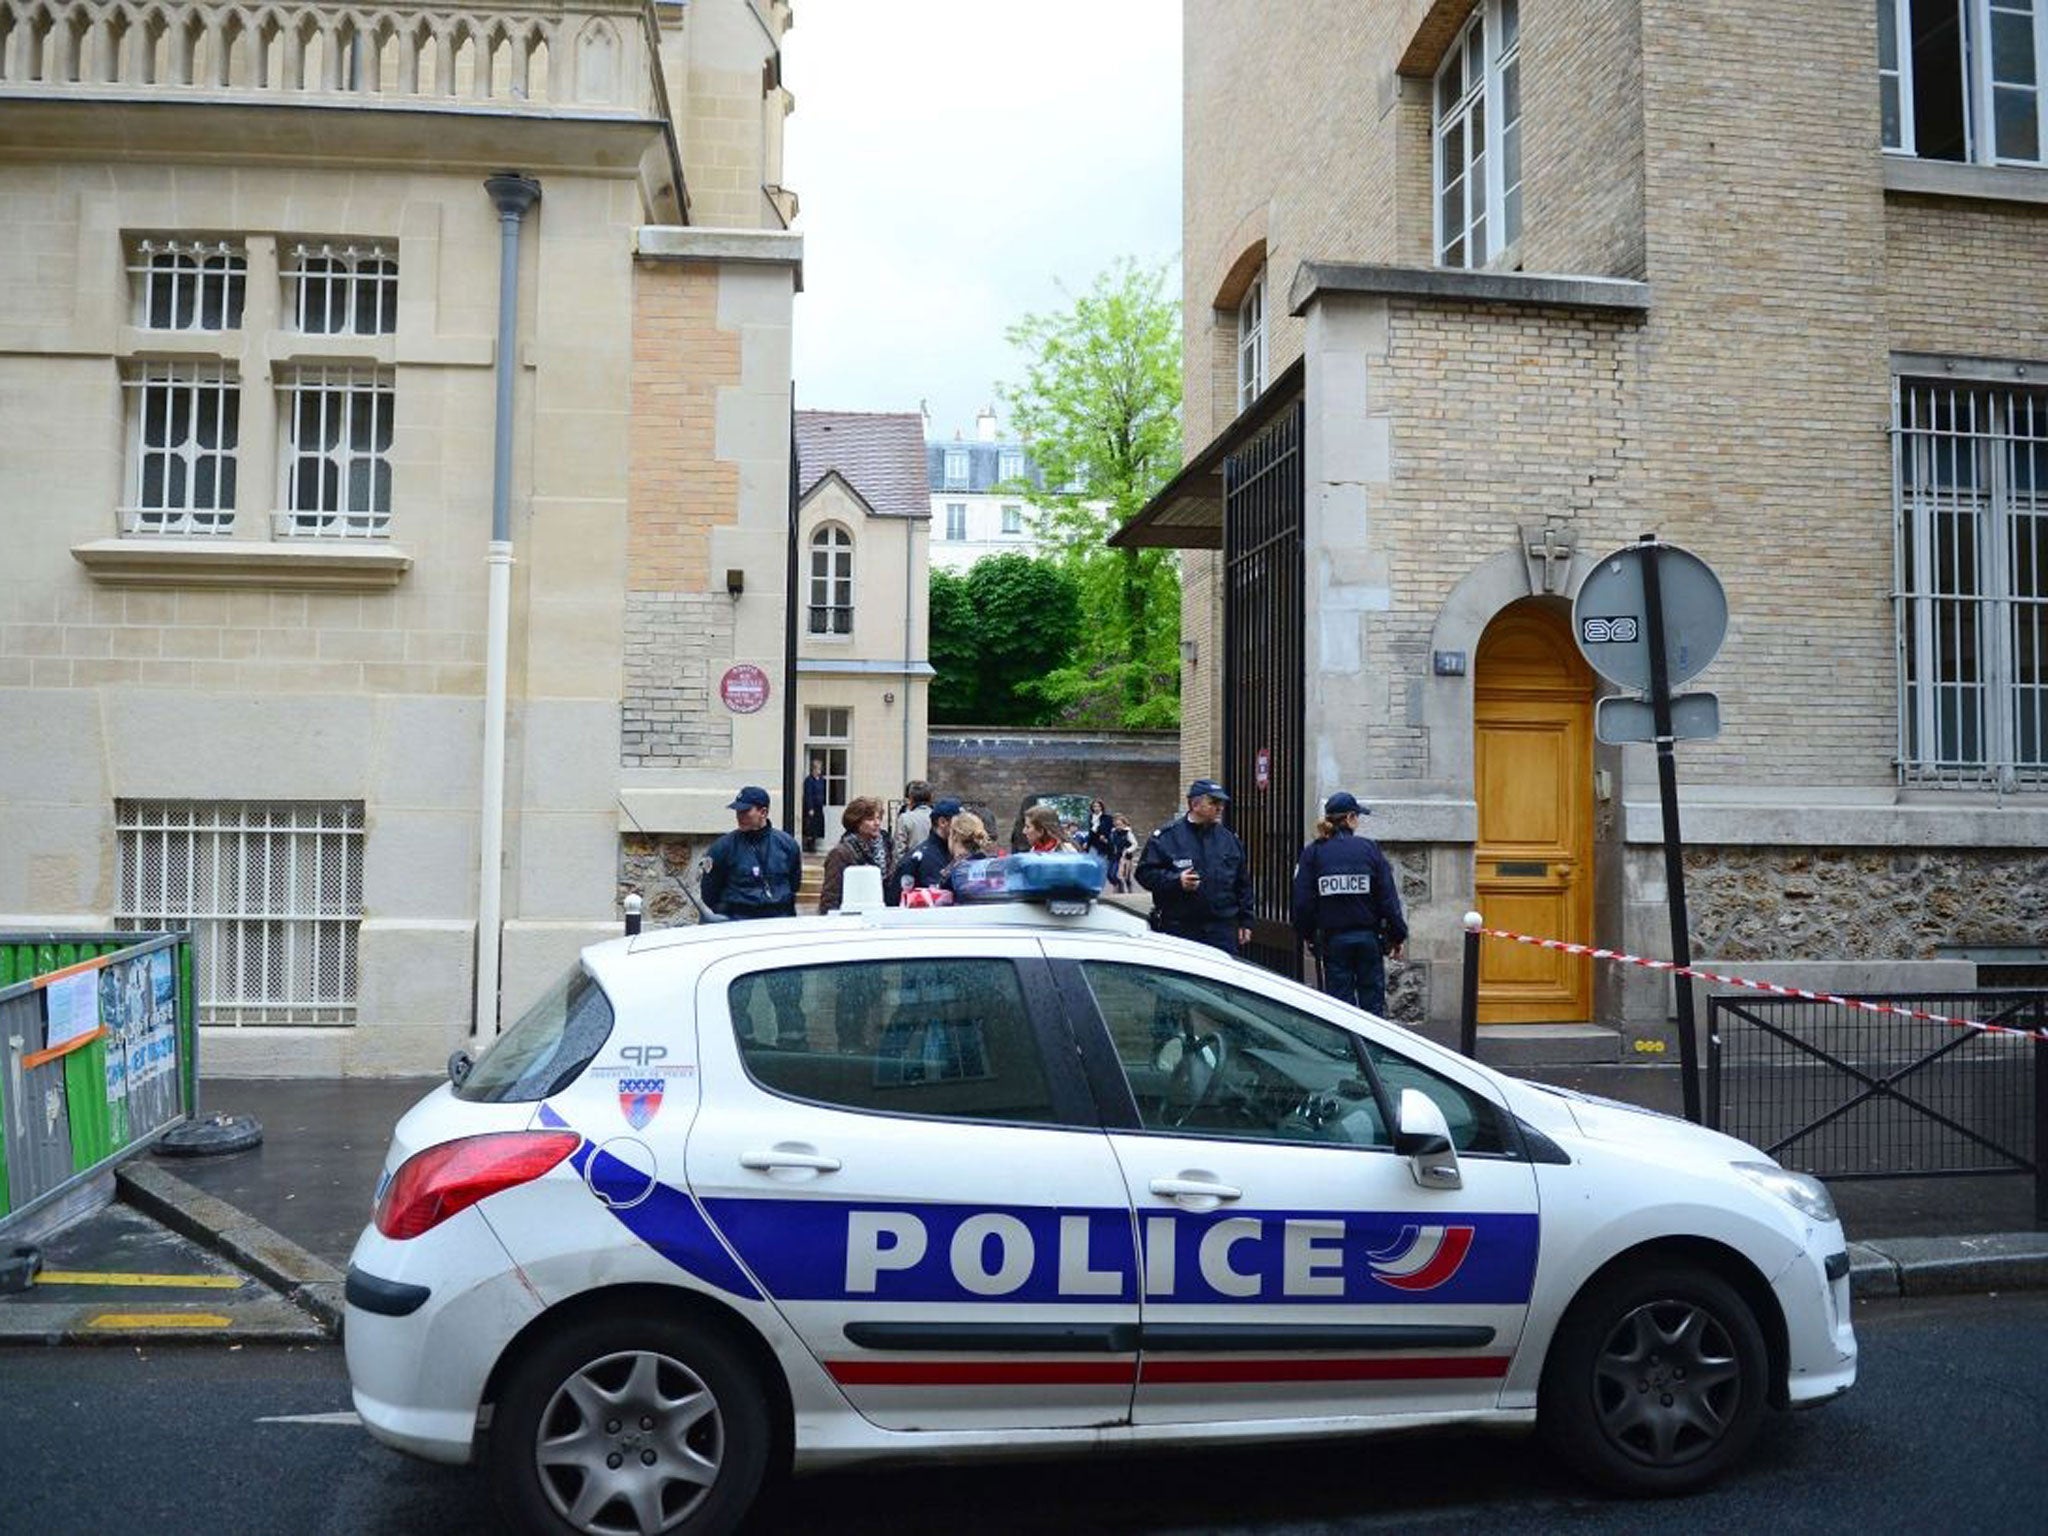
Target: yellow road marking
(109, 1277)
(160, 1320)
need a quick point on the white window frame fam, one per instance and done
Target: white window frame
(1982, 88)
(956, 469)
(340, 288)
(830, 614)
(207, 279)
(1013, 520)
(1970, 497)
(273, 893)
(1010, 465)
(1485, 232)
(1251, 341)
(956, 522)
(359, 406)
(158, 392)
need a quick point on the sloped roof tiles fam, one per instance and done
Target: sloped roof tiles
(879, 453)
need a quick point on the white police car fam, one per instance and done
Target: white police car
(988, 1180)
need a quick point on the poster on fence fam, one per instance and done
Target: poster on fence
(139, 1006)
(73, 1010)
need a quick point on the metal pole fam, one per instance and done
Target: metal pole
(792, 813)
(1674, 847)
(1468, 1003)
(2040, 1118)
(512, 195)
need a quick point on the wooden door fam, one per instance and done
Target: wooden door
(1533, 773)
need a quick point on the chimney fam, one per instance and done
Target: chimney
(985, 424)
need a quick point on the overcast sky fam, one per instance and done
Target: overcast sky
(958, 161)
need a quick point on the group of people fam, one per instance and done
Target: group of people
(1346, 904)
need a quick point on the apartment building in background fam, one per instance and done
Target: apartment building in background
(863, 659)
(1476, 292)
(250, 338)
(981, 492)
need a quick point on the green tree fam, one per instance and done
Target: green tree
(996, 632)
(1099, 403)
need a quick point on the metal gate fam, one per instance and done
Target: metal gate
(1859, 1096)
(1262, 676)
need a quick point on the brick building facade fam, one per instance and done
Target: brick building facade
(1556, 276)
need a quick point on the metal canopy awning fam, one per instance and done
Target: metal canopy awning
(1188, 511)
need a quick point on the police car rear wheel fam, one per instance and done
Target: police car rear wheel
(630, 1428)
(1655, 1382)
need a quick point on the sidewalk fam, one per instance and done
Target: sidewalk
(288, 1212)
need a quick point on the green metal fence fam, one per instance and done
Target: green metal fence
(98, 1056)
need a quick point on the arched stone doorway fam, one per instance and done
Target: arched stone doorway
(1532, 772)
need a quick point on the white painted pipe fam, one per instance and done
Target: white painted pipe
(491, 854)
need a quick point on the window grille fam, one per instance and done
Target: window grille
(1479, 138)
(830, 741)
(273, 894)
(337, 460)
(341, 290)
(1251, 342)
(1963, 80)
(184, 422)
(831, 582)
(1971, 493)
(188, 285)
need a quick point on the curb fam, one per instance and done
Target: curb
(1948, 1266)
(309, 1281)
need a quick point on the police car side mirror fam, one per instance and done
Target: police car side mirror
(1424, 1138)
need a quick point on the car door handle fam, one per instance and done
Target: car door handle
(1174, 1189)
(789, 1157)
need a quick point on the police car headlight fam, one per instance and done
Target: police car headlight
(1804, 1193)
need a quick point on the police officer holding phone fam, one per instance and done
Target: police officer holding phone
(1195, 868)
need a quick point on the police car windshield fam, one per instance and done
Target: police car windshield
(544, 1052)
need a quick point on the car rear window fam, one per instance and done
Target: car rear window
(547, 1049)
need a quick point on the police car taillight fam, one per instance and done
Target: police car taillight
(433, 1185)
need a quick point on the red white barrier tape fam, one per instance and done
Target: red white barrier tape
(1760, 986)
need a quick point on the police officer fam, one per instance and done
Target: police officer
(1347, 907)
(1195, 868)
(755, 869)
(925, 865)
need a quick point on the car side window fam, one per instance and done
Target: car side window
(950, 1039)
(1475, 1121)
(1205, 1058)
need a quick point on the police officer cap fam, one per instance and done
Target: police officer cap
(1210, 788)
(1343, 803)
(752, 797)
(945, 805)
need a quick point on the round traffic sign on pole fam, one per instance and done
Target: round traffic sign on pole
(1610, 618)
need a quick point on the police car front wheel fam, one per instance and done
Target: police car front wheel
(623, 1427)
(1656, 1380)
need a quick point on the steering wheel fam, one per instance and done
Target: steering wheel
(1197, 1075)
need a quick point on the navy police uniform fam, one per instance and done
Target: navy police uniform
(1215, 910)
(1347, 904)
(925, 865)
(753, 874)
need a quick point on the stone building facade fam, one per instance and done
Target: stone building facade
(249, 337)
(1704, 281)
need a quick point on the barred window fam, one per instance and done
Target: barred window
(183, 424)
(189, 285)
(341, 290)
(273, 894)
(1971, 470)
(337, 457)
(831, 582)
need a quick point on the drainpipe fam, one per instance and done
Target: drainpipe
(909, 639)
(512, 195)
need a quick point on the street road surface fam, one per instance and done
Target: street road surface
(1942, 1434)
